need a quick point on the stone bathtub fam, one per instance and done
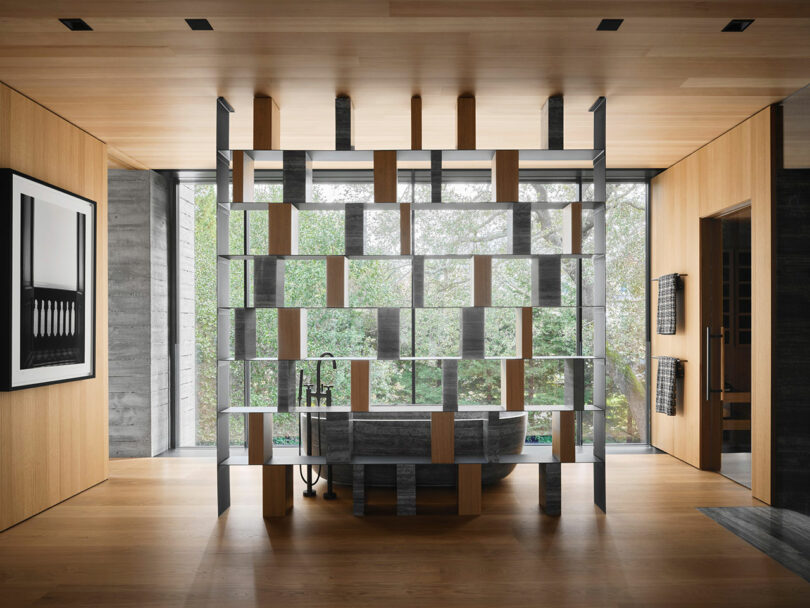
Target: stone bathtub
(407, 434)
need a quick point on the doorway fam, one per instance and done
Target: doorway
(726, 252)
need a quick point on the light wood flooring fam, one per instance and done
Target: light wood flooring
(150, 537)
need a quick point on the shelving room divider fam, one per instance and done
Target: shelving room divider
(266, 285)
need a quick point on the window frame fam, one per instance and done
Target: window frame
(580, 177)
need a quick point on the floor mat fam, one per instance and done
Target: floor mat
(779, 533)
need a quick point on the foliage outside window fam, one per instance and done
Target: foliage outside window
(387, 283)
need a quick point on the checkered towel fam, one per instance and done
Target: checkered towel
(667, 307)
(666, 393)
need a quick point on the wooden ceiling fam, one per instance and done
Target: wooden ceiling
(146, 84)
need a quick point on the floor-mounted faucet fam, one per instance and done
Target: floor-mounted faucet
(321, 392)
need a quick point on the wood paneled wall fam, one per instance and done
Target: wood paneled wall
(53, 439)
(730, 171)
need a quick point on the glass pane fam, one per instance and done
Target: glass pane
(626, 301)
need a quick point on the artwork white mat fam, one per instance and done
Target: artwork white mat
(56, 373)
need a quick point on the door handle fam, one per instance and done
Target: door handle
(709, 336)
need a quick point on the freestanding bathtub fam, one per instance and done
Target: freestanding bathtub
(407, 434)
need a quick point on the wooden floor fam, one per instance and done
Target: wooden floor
(149, 537)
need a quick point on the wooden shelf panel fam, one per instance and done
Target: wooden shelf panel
(535, 358)
(735, 397)
(417, 207)
(515, 307)
(531, 454)
(393, 409)
(367, 156)
(394, 257)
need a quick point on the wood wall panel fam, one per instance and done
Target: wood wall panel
(416, 122)
(469, 489)
(726, 173)
(512, 384)
(337, 281)
(292, 334)
(360, 385)
(266, 124)
(243, 177)
(563, 438)
(465, 123)
(482, 280)
(442, 437)
(54, 439)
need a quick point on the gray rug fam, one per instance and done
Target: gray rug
(779, 533)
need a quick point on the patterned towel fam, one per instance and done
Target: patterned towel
(665, 393)
(667, 308)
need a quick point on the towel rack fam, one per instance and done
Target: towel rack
(679, 276)
(678, 367)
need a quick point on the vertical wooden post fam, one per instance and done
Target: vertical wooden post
(260, 438)
(572, 228)
(277, 490)
(482, 280)
(242, 176)
(442, 437)
(360, 385)
(512, 387)
(416, 122)
(337, 281)
(523, 331)
(282, 229)
(562, 436)
(469, 489)
(385, 176)
(405, 228)
(266, 124)
(292, 334)
(505, 176)
(465, 123)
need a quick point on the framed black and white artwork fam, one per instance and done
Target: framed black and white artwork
(48, 277)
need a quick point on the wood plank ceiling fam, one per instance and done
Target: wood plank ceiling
(145, 83)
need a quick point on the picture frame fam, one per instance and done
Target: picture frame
(48, 300)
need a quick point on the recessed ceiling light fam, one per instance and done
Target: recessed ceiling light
(199, 24)
(76, 25)
(737, 25)
(609, 25)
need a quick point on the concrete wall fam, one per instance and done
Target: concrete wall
(138, 313)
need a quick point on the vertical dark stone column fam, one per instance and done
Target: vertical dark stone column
(338, 437)
(575, 383)
(297, 176)
(355, 230)
(521, 234)
(245, 333)
(418, 270)
(406, 489)
(791, 334)
(344, 126)
(551, 127)
(358, 490)
(472, 333)
(388, 333)
(435, 176)
(268, 282)
(550, 488)
(287, 385)
(450, 385)
(546, 280)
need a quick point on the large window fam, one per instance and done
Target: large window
(429, 331)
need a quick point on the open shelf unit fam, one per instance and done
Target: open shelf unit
(267, 281)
